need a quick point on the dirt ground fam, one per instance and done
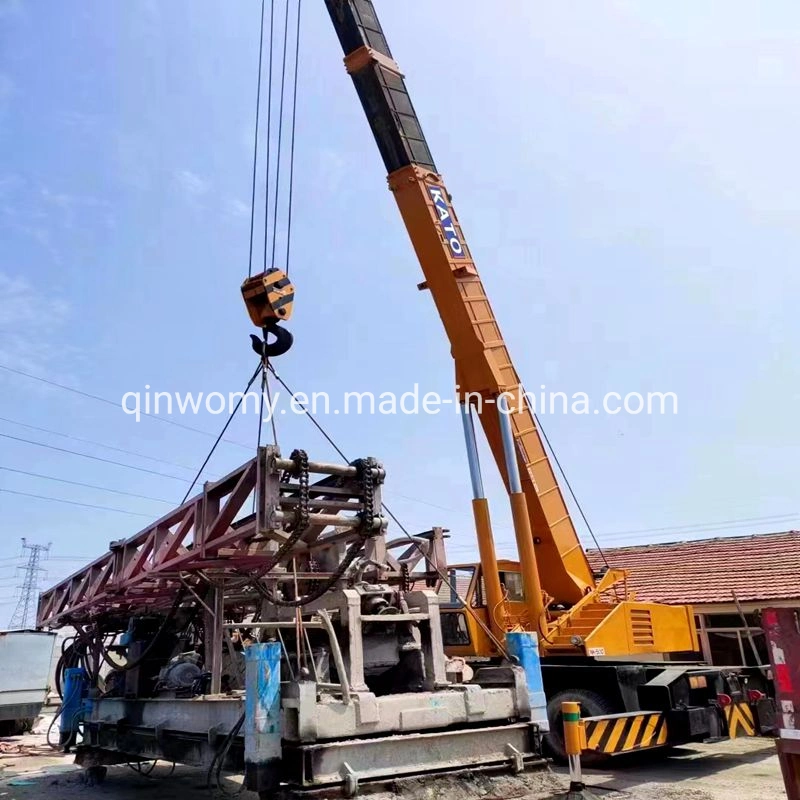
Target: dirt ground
(745, 769)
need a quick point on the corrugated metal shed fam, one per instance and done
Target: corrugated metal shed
(757, 568)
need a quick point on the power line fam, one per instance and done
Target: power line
(74, 503)
(701, 526)
(114, 403)
(85, 485)
(93, 442)
(69, 558)
(696, 534)
(94, 458)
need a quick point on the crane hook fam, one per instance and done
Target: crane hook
(283, 340)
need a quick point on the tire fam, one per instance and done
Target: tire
(592, 705)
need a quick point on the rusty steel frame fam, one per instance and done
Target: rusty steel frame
(212, 540)
(149, 565)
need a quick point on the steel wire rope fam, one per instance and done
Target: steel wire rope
(293, 134)
(569, 487)
(255, 144)
(468, 609)
(222, 432)
(280, 134)
(269, 129)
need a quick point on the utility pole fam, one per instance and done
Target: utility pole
(24, 615)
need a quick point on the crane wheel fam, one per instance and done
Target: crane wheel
(592, 705)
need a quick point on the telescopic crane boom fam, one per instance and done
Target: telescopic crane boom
(484, 370)
(554, 568)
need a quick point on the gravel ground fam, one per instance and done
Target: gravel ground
(739, 770)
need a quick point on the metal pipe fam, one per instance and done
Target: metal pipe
(473, 460)
(527, 558)
(322, 468)
(491, 572)
(336, 651)
(483, 526)
(194, 594)
(509, 446)
(328, 519)
(574, 744)
(213, 642)
(522, 523)
(270, 625)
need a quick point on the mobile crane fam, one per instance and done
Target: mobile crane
(601, 646)
(348, 679)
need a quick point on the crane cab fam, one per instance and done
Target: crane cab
(465, 632)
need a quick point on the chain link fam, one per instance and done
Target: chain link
(366, 468)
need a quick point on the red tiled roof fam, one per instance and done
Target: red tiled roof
(757, 568)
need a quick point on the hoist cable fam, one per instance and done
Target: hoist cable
(255, 144)
(260, 419)
(570, 489)
(294, 129)
(222, 432)
(280, 134)
(269, 129)
(443, 577)
(271, 408)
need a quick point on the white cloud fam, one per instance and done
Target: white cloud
(26, 324)
(20, 304)
(191, 183)
(237, 208)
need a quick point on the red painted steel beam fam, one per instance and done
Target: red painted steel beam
(184, 540)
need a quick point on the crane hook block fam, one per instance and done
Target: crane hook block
(269, 297)
(266, 349)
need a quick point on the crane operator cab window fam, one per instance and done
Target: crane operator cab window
(512, 586)
(453, 594)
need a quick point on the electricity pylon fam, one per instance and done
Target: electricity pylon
(24, 615)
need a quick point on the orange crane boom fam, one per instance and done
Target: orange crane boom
(485, 373)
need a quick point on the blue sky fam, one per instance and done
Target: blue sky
(627, 178)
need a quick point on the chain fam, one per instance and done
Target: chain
(366, 467)
(299, 470)
(366, 472)
(300, 458)
(405, 578)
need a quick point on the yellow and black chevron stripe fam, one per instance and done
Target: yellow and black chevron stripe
(269, 297)
(623, 733)
(741, 722)
(280, 293)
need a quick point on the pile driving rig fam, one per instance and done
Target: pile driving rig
(294, 643)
